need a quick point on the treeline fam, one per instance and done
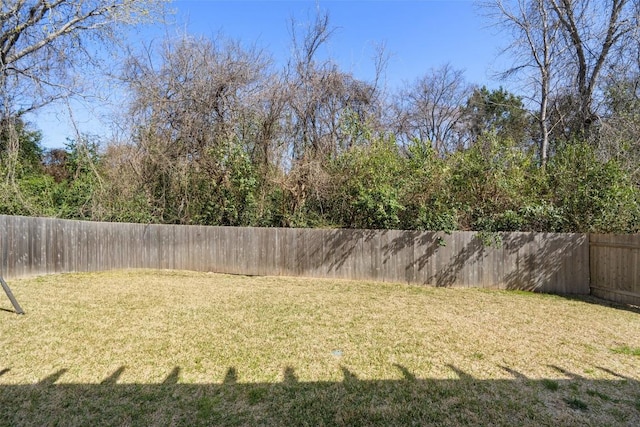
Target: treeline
(218, 135)
(491, 186)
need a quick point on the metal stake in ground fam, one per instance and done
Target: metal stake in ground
(7, 291)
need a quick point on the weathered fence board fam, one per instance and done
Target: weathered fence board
(533, 261)
(615, 267)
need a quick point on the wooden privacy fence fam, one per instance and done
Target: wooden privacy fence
(545, 262)
(615, 267)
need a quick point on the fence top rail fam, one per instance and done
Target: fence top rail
(616, 245)
(355, 230)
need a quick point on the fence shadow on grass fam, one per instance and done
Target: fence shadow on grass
(353, 401)
(590, 299)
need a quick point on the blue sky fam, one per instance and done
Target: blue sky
(418, 35)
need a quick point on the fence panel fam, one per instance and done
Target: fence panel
(533, 261)
(615, 267)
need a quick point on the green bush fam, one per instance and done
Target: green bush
(594, 196)
(367, 186)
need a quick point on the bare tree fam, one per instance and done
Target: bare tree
(567, 44)
(592, 30)
(536, 47)
(199, 93)
(46, 44)
(322, 95)
(197, 104)
(432, 109)
(42, 42)
(619, 129)
(323, 102)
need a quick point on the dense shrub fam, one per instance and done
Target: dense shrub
(593, 196)
(494, 185)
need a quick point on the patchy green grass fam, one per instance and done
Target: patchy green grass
(550, 384)
(575, 403)
(598, 394)
(182, 348)
(625, 349)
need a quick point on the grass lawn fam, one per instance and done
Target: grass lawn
(182, 348)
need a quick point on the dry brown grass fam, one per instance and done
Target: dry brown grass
(189, 348)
